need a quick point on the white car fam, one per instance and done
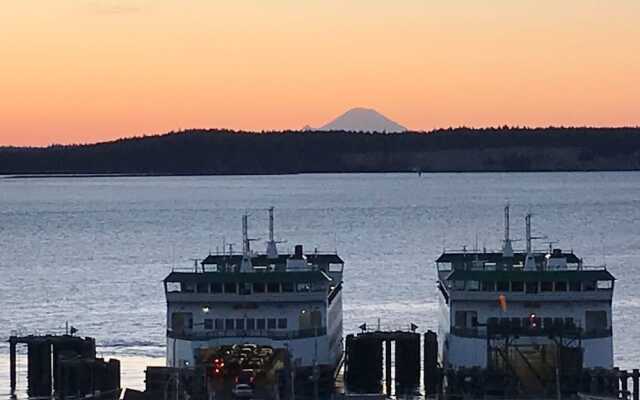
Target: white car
(242, 391)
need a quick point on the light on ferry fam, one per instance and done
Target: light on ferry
(205, 309)
(532, 321)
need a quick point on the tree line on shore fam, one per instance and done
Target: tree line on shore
(281, 152)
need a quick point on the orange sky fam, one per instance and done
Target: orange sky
(81, 71)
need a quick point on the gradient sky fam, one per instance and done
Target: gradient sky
(80, 71)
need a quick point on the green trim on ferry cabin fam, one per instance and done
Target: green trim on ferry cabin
(249, 277)
(531, 276)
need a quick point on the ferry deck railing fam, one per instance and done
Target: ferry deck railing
(253, 333)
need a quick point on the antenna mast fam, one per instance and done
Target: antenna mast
(507, 248)
(529, 261)
(245, 265)
(245, 235)
(272, 249)
(527, 220)
(271, 224)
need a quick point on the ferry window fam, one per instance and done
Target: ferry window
(240, 323)
(561, 286)
(208, 324)
(287, 287)
(230, 287)
(271, 323)
(532, 287)
(258, 287)
(251, 323)
(517, 286)
(444, 266)
(219, 324)
(273, 287)
(228, 324)
(173, 287)
(574, 286)
(461, 319)
(605, 285)
(181, 321)
(316, 319)
(488, 286)
(589, 286)
(569, 322)
(245, 288)
(303, 287)
(304, 320)
(260, 323)
(473, 285)
(490, 266)
(188, 287)
(336, 267)
(503, 286)
(458, 285)
(216, 287)
(558, 322)
(202, 287)
(282, 323)
(466, 319)
(595, 320)
(546, 286)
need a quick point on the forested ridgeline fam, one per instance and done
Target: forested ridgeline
(230, 152)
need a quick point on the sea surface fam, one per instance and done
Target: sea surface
(94, 251)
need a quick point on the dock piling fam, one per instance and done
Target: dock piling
(635, 378)
(624, 380)
(12, 364)
(387, 366)
(430, 361)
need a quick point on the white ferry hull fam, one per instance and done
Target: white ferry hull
(459, 352)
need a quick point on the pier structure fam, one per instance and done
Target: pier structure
(365, 363)
(62, 365)
(372, 367)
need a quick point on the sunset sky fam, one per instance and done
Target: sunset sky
(77, 71)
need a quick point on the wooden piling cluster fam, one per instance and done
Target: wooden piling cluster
(364, 362)
(626, 391)
(432, 375)
(63, 366)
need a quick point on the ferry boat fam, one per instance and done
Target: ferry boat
(291, 301)
(529, 312)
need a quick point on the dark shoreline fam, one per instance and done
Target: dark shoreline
(90, 175)
(216, 152)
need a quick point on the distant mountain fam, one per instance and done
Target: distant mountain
(363, 120)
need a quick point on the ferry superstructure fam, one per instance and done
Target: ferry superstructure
(526, 311)
(291, 301)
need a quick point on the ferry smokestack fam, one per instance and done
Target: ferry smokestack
(298, 251)
(297, 261)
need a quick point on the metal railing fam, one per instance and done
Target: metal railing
(235, 333)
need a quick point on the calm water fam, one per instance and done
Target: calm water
(94, 251)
